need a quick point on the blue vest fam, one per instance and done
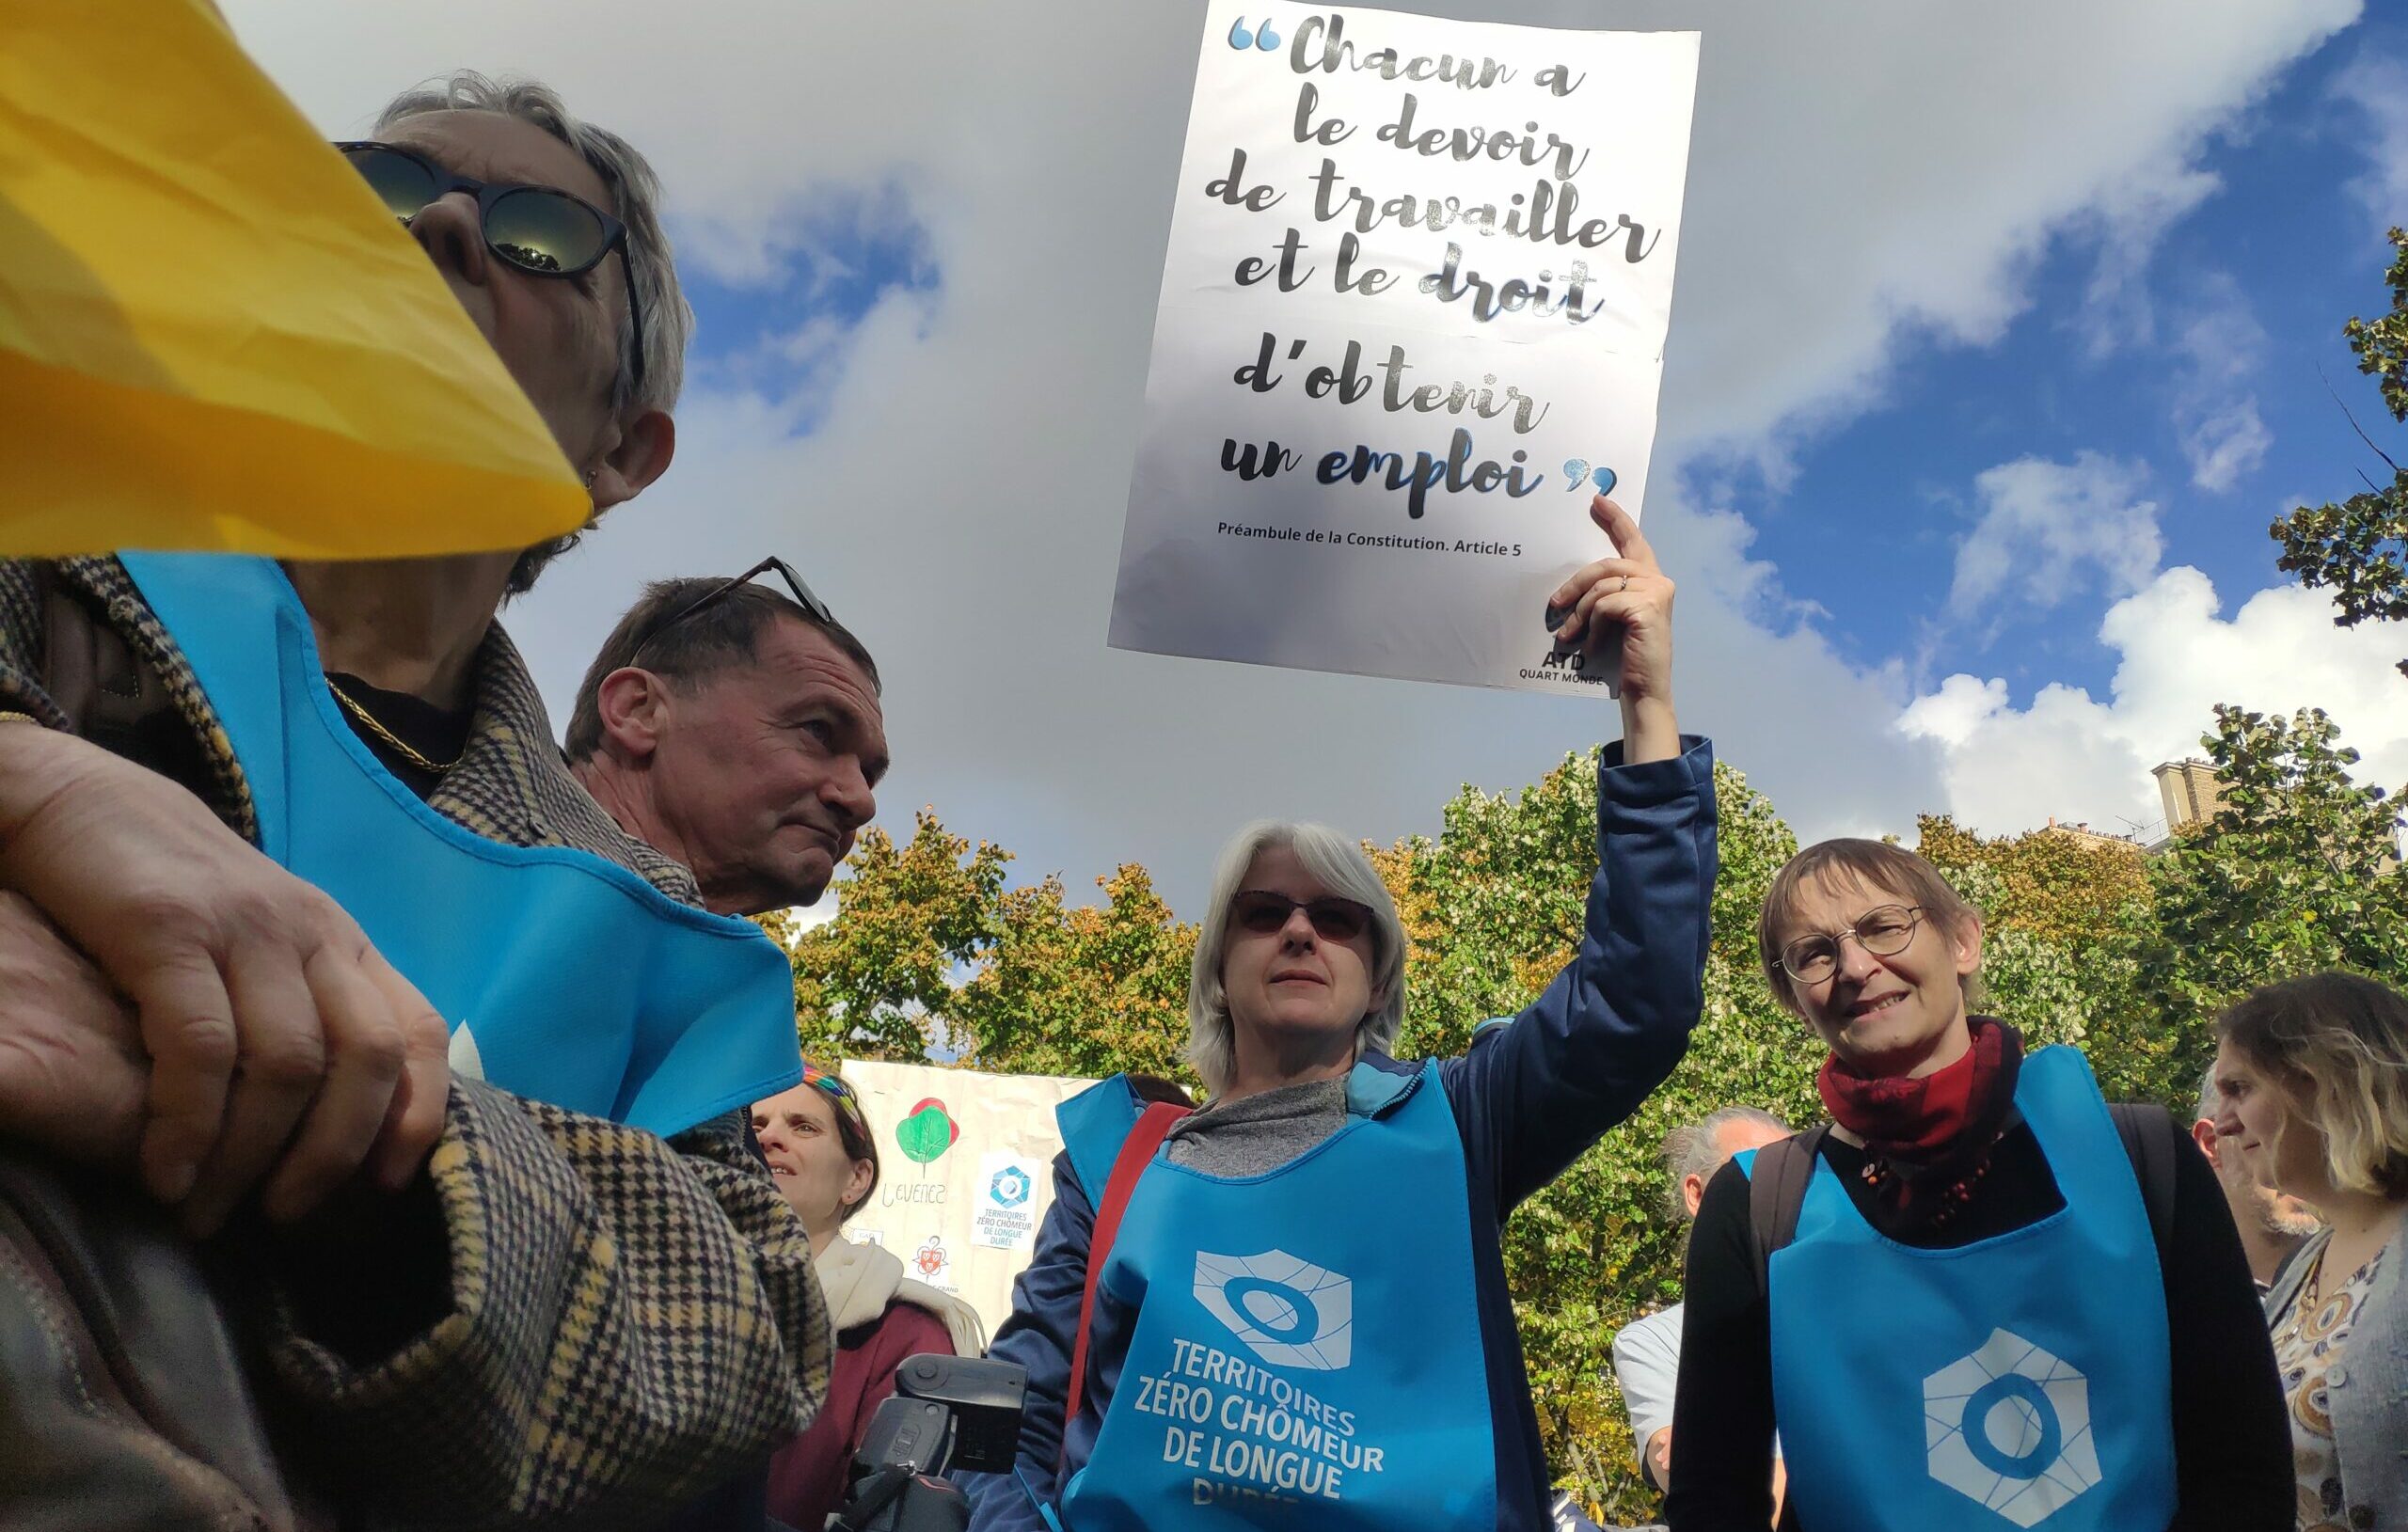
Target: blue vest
(2019, 1381)
(1308, 1336)
(579, 984)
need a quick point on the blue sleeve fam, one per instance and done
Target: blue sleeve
(1043, 1327)
(1533, 1093)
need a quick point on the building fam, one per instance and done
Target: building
(2090, 839)
(2191, 793)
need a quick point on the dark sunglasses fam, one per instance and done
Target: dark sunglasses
(539, 229)
(1264, 913)
(803, 597)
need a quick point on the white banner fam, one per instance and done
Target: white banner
(1412, 316)
(965, 1174)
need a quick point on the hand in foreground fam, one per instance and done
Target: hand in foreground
(1626, 601)
(281, 1044)
(72, 1072)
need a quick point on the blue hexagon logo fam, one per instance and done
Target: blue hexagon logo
(1289, 1312)
(2009, 1426)
(1009, 1186)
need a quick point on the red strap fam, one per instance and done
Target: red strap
(1136, 1152)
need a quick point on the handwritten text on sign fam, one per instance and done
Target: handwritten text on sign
(1411, 317)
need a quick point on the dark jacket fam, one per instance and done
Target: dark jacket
(1529, 1097)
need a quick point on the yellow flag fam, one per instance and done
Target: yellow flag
(213, 335)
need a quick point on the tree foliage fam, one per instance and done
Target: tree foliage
(2358, 547)
(2297, 871)
(931, 954)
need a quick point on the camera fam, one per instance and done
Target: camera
(947, 1412)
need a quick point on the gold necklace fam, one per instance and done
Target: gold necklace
(401, 746)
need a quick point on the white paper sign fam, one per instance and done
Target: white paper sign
(1411, 317)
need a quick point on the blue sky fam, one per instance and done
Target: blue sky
(2275, 258)
(1995, 348)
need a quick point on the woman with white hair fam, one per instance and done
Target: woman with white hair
(1290, 1308)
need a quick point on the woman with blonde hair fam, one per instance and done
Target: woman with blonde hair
(1288, 1309)
(2313, 1078)
(1979, 1298)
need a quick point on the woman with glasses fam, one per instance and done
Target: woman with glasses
(825, 1159)
(1979, 1297)
(2312, 1080)
(1288, 1308)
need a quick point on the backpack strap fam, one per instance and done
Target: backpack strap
(2150, 1136)
(1776, 1189)
(1136, 1152)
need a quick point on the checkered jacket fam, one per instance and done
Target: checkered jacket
(617, 1322)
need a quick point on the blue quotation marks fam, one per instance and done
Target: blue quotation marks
(1261, 37)
(1578, 475)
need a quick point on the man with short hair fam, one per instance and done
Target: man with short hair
(1647, 1353)
(736, 732)
(2272, 1225)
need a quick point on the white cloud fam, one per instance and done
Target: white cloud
(2079, 758)
(2050, 530)
(2376, 87)
(1863, 171)
(2221, 346)
(2117, 310)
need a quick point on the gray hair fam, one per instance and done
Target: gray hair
(1696, 1148)
(1336, 864)
(2210, 1098)
(668, 319)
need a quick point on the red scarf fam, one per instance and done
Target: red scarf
(1923, 1137)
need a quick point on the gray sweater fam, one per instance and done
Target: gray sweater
(1257, 1134)
(2367, 1389)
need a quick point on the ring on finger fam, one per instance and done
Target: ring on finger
(1624, 586)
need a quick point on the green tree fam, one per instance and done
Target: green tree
(878, 980)
(1089, 990)
(2297, 871)
(930, 953)
(2358, 547)
(2058, 914)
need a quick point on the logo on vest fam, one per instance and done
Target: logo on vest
(2009, 1426)
(1290, 1313)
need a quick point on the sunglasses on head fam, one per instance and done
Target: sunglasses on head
(774, 565)
(539, 229)
(1263, 912)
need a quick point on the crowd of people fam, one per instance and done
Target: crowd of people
(403, 1127)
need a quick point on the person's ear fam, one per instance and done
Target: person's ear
(1965, 944)
(632, 705)
(857, 1185)
(2203, 1133)
(1693, 1191)
(640, 454)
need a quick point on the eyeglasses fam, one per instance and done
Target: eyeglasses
(1263, 912)
(804, 598)
(1884, 931)
(539, 229)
